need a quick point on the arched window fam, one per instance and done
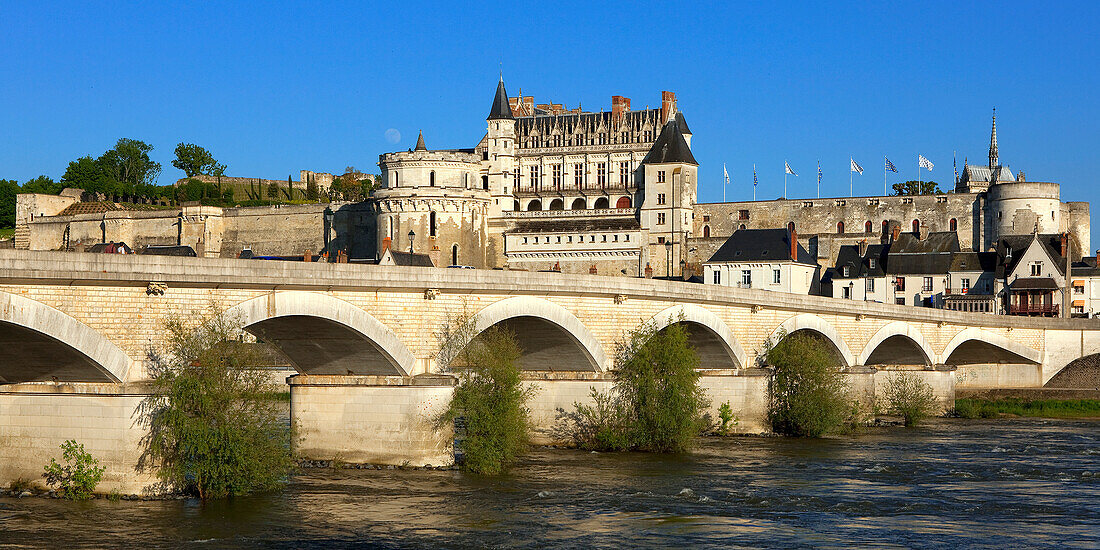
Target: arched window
(706, 231)
(954, 224)
(601, 203)
(454, 254)
(515, 206)
(431, 224)
(578, 204)
(623, 202)
(557, 204)
(534, 206)
(916, 226)
(885, 227)
(867, 227)
(840, 228)
(485, 182)
(431, 178)
(395, 178)
(742, 226)
(790, 227)
(465, 181)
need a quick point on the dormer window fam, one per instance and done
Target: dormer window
(847, 271)
(871, 263)
(1036, 269)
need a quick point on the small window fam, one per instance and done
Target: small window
(742, 226)
(868, 227)
(660, 218)
(1036, 269)
(706, 217)
(706, 231)
(626, 237)
(660, 240)
(777, 277)
(660, 198)
(916, 226)
(742, 214)
(847, 293)
(431, 178)
(954, 224)
(660, 176)
(746, 277)
(871, 263)
(899, 284)
(717, 277)
(847, 271)
(965, 285)
(899, 301)
(840, 228)
(927, 285)
(870, 284)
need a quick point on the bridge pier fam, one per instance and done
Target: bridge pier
(37, 417)
(371, 419)
(867, 384)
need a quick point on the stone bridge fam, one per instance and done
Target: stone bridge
(75, 330)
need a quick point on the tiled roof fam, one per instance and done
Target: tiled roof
(98, 207)
(760, 245)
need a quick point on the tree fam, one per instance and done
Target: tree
(909, 397)
(8, 190)
(273, 190)
(213, 427)
(43, 184)
(195, 160)
(88, 174)
(312, 193)
(129, 165)
(807, 391)
(914, 187)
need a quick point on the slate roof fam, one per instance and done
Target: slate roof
(670, 147)
(566, 225)
(931, 255)
(1034, 283)
(501, 109)
(1086, 267)
(1017, 244)
(942, 241)
(983, 173)
(760, 245)
(683, 123)
(420, 142)
(974, 261)
(99, 207)
(859, 266)
(411, 259)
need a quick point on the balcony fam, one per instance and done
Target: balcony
(1049, 310)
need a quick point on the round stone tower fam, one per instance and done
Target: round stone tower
(439, 197)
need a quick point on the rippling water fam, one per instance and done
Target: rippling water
(953, 483)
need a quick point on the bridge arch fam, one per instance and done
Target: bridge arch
(708, 334)
(321, 334)
(904, 340)
(550, 335)
(38, 342)
(813, 323)
(973, 345)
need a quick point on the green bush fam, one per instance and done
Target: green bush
(909, 397)
(491, 399)
(214, 430)
(76, 480)
(726, 418)
(1049, 408)
(807, 392)
(656, 404)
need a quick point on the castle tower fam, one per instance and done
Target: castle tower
(669, 195)
(501, 152)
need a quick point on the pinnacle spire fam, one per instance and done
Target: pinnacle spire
(994, 159)
(501, 109)
(420, 142)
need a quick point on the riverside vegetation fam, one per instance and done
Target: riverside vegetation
(77, 479)
(656, 403)
(808, 395)
(214, 430)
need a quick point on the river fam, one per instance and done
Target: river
(952, 483)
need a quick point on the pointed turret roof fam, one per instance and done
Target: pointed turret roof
(683, 123)
(670, 147)
(420, 142)
(994, 158)
(501, 109)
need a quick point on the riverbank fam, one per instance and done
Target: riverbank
(1015, 406)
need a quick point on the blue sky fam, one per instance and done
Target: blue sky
(274, 89)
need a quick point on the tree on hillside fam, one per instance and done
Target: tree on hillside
(129, 164)
(195, 160)
(43, 184)
(86, 173)
(8, 190)
(914, 187)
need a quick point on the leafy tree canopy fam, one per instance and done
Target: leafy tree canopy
(914, 187)
(195, 160)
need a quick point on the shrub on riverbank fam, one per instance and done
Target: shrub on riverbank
(491, 399)
(77, 479)
(656, 404)
(808, 395)
(909, 397)
(214, 430)
(1046, 408)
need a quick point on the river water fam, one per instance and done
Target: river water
(953, 483)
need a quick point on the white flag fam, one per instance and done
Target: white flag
(855, 166)
(924, 163)
(725, 173)
(787, 167)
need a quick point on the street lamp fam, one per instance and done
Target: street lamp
(668, 259)
(328, 228)
(412, 236)
(683, 265)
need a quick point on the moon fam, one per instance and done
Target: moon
(393, 136)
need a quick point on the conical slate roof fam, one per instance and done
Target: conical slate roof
(683, 123)
(501, 109)
(670, 147)
(420, 142)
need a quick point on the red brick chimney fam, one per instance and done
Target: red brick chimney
(794, 243)
(668, 106)
(1065, 238)
(649, 270)
(308, 256)
(619, 105)
(386, 242)
(895, 232)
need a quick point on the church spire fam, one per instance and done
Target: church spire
(420, 142)
(994, 159)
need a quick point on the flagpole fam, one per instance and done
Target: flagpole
(754, 182)
(851, 192)
(784, 179)
(884, 192)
